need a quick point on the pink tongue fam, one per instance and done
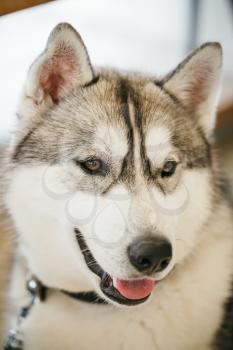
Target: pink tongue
(134, 289)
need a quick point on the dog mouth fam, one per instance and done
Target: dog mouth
(125, 292)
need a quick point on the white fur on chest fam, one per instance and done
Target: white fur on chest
(183, 314)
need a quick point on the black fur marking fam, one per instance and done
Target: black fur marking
(138, 123)
(123, 95)
(224, 336)
(92, 82)
(127, 170)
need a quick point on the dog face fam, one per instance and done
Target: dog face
(111, 174)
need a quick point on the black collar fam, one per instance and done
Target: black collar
(88, 297)
(39, 290)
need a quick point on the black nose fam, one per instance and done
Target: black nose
(150, 255)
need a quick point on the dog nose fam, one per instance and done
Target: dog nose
(150, 255)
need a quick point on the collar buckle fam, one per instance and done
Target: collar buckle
(37, 290)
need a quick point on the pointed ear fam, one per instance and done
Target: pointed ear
(62, 66)
(196, 83)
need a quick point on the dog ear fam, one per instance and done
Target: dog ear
(62, 66)
(196, 83)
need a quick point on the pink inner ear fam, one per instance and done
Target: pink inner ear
(57, 73)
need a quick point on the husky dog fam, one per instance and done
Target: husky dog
(114, 192)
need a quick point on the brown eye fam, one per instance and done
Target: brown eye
(169, 168)
(93, 166)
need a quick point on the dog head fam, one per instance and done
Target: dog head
(111, 173)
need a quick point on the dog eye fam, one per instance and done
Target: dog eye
(169, 168)
(93, 166)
